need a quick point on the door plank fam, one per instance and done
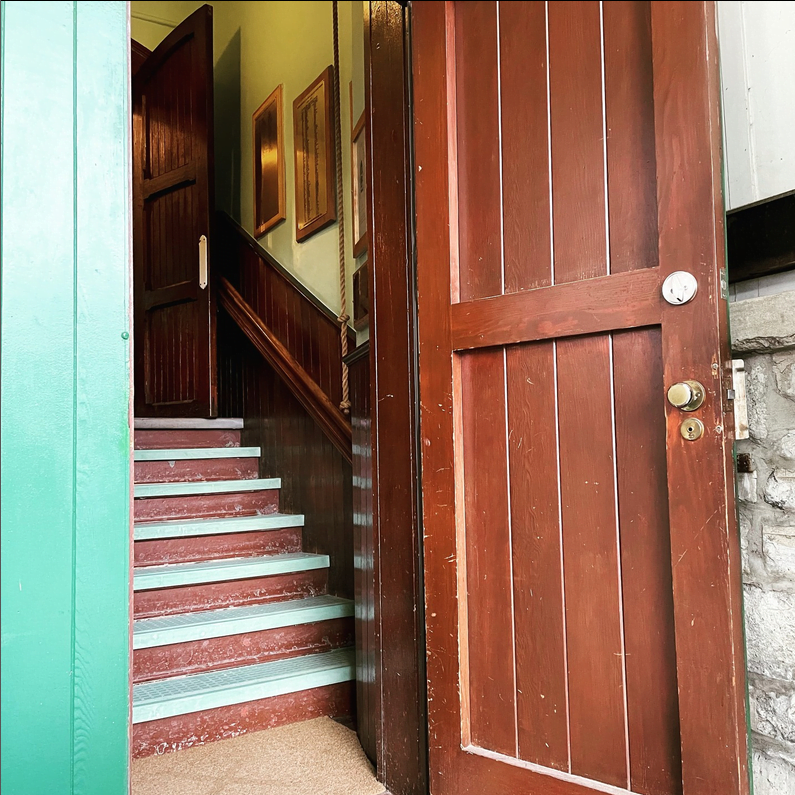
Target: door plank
(590, 561)
(479, 195)
(589, 306)
(631, 162)
(489, 653)
(577, 127)
(541, 686)
(525, 145)
(653, 712)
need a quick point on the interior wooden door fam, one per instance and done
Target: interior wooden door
(583, 602)
(175, 359)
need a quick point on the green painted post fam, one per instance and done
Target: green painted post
(65, 411)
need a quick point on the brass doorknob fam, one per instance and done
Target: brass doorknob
(686, 395)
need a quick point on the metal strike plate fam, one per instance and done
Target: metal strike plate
(692, 429)
(679, 287)
(686, 395)
(740, 400)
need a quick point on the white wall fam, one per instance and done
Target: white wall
(757, 49)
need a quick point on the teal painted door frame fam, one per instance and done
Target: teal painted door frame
(66, 389)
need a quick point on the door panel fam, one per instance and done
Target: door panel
(173, 187)
(567, 161)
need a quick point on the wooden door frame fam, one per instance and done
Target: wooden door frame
(398, 618)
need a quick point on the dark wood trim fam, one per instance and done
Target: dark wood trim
(138, 54)
(399, 653)
(169, 181)
(328, 417)
(704, 538)
(761, 238)
(360, 353)
(623, 300)
(173, 294)
(271, 261)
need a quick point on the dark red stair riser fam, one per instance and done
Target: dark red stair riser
(200, 469)
(156, 552)
(210, 596)
(163, 440)
(198, 728)
(204, 506)
(246, 649)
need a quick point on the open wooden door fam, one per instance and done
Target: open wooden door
(583, 602)
(175, 362)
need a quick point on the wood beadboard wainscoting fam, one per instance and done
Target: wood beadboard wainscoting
(290, 410)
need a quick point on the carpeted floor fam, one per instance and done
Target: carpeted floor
(316, 757)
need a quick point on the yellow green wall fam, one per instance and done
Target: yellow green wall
(259, 45)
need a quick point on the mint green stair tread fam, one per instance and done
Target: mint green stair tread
(180, 695)
(146, 578)
(180, 528)
(184, 627)
(205, 487)
(195, 453)
(187, 424)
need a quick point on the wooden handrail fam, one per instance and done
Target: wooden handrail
(330, 419)
(266, 257)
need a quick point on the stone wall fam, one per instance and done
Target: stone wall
(763, 334)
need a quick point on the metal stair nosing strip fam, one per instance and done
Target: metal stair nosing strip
(180, 695)
(147, 578)
(194, 453)
(184, 528)
(187, 424)
(186, 627)
(189, 488)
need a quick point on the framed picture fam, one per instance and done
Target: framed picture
(361, 297)
(359, 187)
(313, 140)
(268, 138)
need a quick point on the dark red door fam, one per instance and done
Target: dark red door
(583, 602)
(173, 206)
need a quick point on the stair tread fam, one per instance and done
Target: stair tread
(195, 453)
(179, 695)
(180, 489)
(187, 424)
(175, 574)
(184, 627)
(182, 528)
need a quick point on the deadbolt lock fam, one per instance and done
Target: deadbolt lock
(686, 395)
(691, 429)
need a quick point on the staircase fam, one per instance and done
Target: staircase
(233, 629)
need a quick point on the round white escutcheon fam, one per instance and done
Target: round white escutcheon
(679, 288)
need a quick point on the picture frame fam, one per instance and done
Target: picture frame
(268, 160)
(359, 187)
(361, 297)
(313, 145)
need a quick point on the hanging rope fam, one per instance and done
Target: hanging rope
(343, 318)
